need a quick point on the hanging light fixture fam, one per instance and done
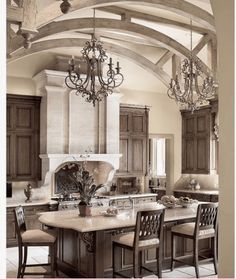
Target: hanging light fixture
(93, 85)
(191, 95)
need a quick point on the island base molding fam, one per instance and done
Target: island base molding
(89, 254)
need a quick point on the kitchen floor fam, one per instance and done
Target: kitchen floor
(40, 254)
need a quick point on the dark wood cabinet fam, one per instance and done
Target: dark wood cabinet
(31, 219)
(196, 131)
(133, 140)
(197, 196)
(23, 162)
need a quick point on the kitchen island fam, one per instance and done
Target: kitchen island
(84, 244)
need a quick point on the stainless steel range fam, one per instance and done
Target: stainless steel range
(70, 203)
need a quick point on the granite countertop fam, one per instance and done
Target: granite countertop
(126, 196)
(126, 218)
(203, 191)
(34, 202)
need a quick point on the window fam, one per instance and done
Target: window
(158, 157)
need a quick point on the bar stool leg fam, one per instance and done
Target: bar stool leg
(159, 262)
(172, 251)
(19, 261)
(195, 257)
(140, 262)
(135, 263)
(55, 258)
(24, 261)
(214, 240)
(113, 260)
(52, 261)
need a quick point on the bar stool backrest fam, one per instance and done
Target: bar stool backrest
(149, 225)
(207, 217)
(20, 221)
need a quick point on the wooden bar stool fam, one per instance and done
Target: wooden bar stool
(33, 238)
(148, 234)
(204, 227)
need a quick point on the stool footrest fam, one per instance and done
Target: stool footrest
(43, 264)
(37, 273)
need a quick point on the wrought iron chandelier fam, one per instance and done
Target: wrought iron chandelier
(191, 95)
(93, 85)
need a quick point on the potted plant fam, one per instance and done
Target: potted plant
(84, 183)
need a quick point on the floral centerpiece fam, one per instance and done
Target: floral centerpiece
(85, 186)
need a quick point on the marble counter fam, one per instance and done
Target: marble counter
(207, 192)
(97, 222)
(34, 202)
(126, 196)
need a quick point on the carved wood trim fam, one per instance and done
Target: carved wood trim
(89, 239)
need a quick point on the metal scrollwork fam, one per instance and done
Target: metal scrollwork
(89, 240)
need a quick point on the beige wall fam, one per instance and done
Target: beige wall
(22, 86)
(224, 16)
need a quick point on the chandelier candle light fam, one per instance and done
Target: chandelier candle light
(192, 96)
(93, 86)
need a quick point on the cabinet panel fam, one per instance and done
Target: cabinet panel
(138, 123)
(9, 117)
(189, 124)
(138, 152)
(202, 154)
(24, 154)
(9, 152)
(189, 154)
(24, 117)
(124, 122)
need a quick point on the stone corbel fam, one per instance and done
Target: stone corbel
(89, 239)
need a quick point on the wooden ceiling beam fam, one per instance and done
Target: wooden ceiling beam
(15, 14)
(156, 19)
(181, 7)
(112, 48)
(165, 57)
(111, 24)
(204, 40)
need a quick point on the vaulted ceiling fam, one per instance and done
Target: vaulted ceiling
(150, 36)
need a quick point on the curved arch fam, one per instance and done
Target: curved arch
(178, 6)
(151, 34)
(123, 52)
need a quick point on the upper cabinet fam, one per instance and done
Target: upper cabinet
(198, 141)
(23, 161)
(133, 139)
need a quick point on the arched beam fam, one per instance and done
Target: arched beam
(121, 51)
(156, 19)
(112, 24)
(178, 6)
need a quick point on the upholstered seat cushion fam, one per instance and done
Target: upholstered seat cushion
(128, 240)
(188, 229)
(37, 236)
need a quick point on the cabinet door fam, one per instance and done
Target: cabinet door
(23, 162)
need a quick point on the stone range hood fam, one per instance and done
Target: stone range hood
(71, 129)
